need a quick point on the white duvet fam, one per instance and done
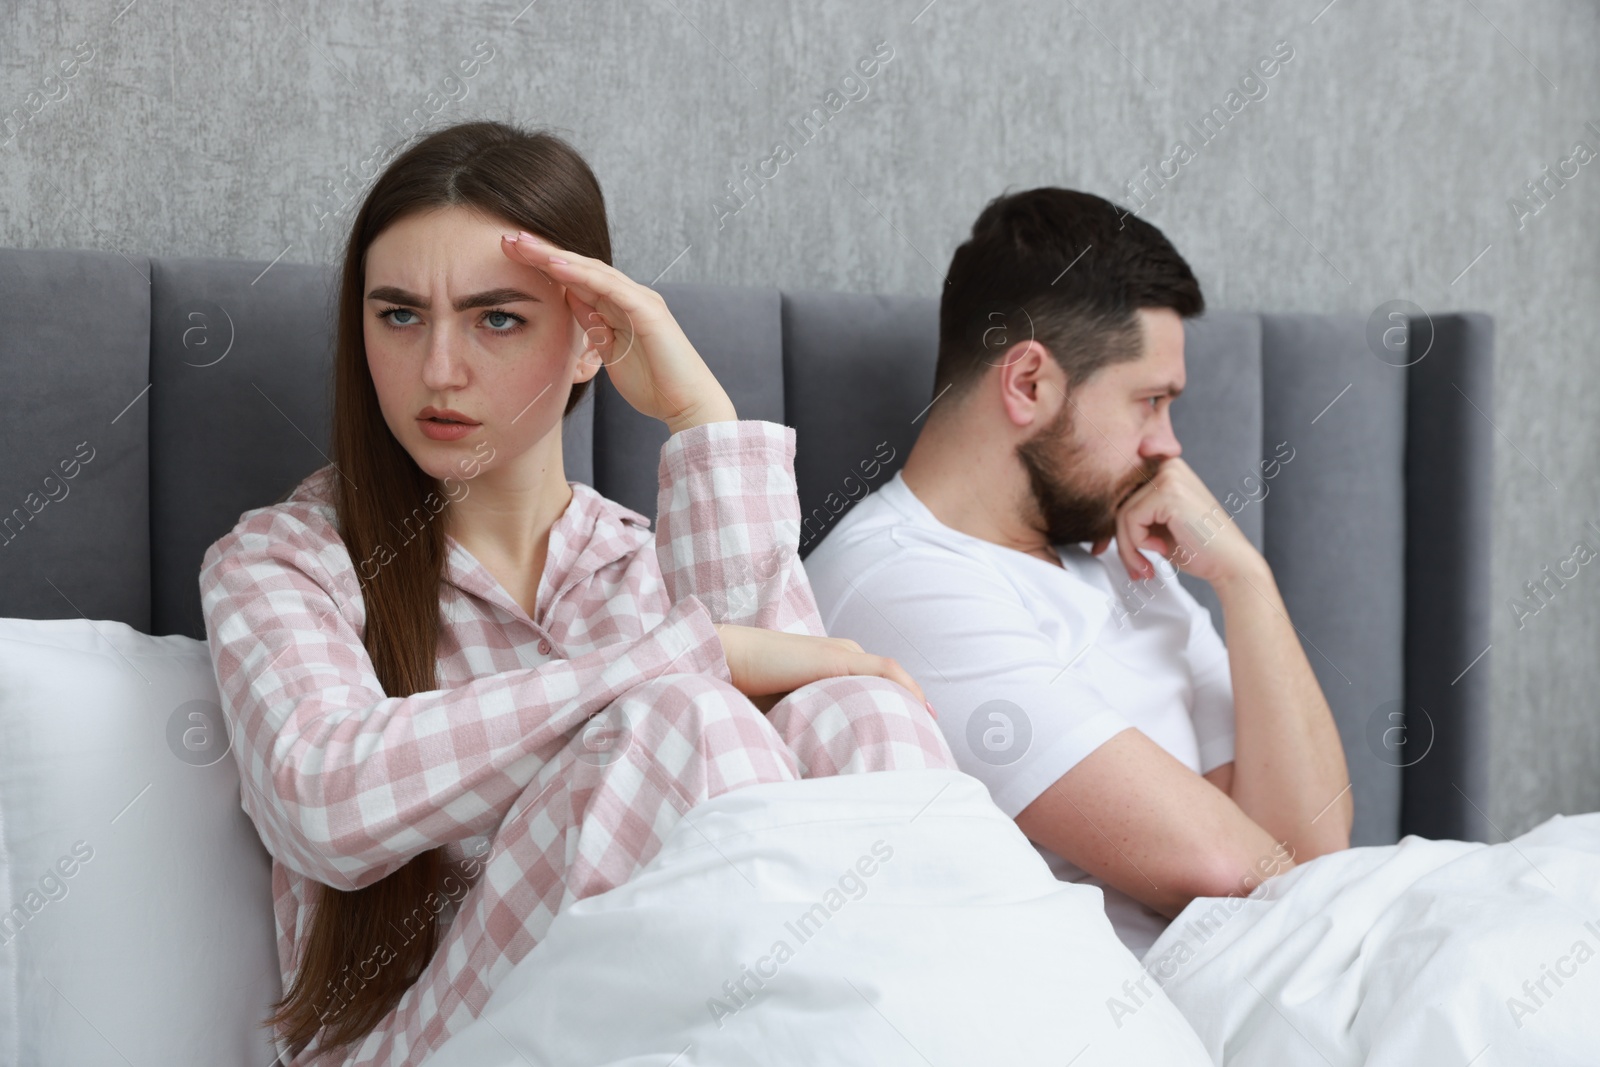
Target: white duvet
(1423, 953)
(879, 919)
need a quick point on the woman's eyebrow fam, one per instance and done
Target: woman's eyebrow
(487, 298)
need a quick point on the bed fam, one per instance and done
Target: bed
(191, 390)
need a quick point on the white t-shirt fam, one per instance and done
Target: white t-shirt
(1031, 667)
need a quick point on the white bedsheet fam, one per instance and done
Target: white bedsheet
(937, 935)
(1421, 953)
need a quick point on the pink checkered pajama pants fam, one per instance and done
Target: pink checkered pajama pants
(600, 810)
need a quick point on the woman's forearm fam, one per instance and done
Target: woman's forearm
(728, 525)
(713, 409)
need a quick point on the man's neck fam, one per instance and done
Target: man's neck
(974, 490)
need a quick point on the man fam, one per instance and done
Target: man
(1021, 567)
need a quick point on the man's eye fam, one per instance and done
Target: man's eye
(1155, 402)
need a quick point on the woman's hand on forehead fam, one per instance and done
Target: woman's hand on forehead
(632, 333)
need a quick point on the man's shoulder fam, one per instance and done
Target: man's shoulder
(876, 542)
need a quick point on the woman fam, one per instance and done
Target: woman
(466, 692)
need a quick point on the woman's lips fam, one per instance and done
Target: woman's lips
(445, 431)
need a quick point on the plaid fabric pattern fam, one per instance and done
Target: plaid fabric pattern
(560, 749)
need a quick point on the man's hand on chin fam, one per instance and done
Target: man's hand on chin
(1176, 515)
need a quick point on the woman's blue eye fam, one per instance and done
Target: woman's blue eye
(497, 320)
(1155, 401)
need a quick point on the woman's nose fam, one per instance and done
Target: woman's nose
(442, 365)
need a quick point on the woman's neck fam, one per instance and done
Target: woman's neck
(506, 514)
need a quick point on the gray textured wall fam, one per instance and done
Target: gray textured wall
(1380, 164)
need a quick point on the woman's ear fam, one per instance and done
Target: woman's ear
(593, 337)
(589, 361)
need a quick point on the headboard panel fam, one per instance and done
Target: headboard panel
(203, 387)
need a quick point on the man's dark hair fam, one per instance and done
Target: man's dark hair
(1066, 268)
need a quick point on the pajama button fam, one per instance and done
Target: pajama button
(544, 648)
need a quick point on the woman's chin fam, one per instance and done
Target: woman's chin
(437, 459)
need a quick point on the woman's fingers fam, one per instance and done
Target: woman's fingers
(590, 293)
(667, 379)
(765, 662)
(884, 667)
(549, 259)
(517, 250)
(610, 306)
(595, 281)
(537, 251)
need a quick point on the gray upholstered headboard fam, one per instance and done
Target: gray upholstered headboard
(179, 393)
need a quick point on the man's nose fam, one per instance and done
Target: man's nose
(1163, 444)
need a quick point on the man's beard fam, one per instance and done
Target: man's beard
(1075, 502)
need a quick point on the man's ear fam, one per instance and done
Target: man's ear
(1031, 384)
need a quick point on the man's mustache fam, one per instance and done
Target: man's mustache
(1136, 480)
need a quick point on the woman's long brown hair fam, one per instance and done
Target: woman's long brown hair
(538, 183)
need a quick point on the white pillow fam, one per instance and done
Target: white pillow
(135, 895)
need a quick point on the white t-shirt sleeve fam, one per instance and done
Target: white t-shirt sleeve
(1213, 685)
(1017, 712)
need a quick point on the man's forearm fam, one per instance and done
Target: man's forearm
(1289, 770)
